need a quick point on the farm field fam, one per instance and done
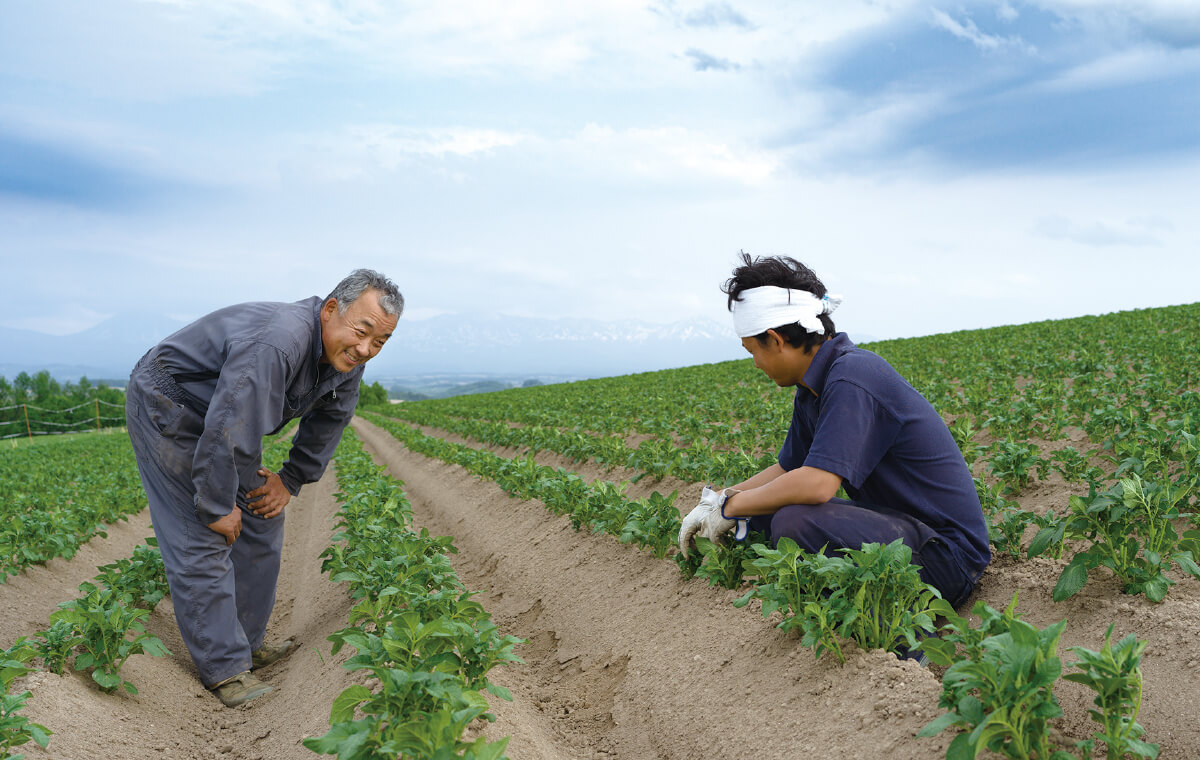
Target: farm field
(624, 657)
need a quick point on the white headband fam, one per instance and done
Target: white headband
(760, 309)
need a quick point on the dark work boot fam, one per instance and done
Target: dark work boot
(269, 653)
(240, 689)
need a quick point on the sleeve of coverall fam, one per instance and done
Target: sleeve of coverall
(318, 436)
(246, 405)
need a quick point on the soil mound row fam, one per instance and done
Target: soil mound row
(511, 561)
(173, 716)
(624, 658)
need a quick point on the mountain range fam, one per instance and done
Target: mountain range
(453, 344)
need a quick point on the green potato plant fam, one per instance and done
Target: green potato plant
(872, 596)
(16, 729)
(56, 643)
(141, 577)
(1013, 464)
(722, 563)
(425, 643)
(1131, 531)
(1001, 692)
(103, 622)
(1115, 674)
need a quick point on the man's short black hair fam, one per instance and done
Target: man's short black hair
(782, 272)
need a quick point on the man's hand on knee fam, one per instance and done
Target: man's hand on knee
(271, 497)
(229, 526)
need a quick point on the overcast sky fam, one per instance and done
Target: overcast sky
(942, 165)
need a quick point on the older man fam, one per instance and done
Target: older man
(198, 405)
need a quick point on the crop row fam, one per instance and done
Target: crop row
(56, 497)
(427, 645)
(1109, 375)
(1128, 527)
(1012, 464)
(99, 632)
(653, 524)
(999, 689)
(656, 457)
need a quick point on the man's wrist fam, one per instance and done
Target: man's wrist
(289, 482)
(728, 493)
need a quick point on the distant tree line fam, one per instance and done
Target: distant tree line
(40, 405)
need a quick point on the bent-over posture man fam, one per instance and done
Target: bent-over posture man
(197, 407)
(856, 424)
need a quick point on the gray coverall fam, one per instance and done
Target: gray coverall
(197, 407)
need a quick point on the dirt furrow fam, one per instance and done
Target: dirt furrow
(626, 659)
(1171, 665)
(689, 493)
(27, 599)
(173, 716)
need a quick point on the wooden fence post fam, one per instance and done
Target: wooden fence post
(27, 428)
(97, 414)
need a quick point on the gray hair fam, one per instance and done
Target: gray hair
(349, 289)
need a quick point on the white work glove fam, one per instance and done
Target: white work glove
(708, 521)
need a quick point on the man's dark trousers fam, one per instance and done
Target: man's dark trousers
(840, 524)
(222, 595)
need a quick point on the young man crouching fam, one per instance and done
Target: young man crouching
(856, 424)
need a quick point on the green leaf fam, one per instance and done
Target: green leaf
(346, 702)
(500, 691)
(343, 740)
(1041, 542)
(1188, 564)
(1157, 587)
(939, 724)
(481, 750)
(40, 734)
(107, 681)
(744, 599)
(1137, 746)
(1073, 578)
(961, 748)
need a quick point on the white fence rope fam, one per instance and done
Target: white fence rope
(31, 407)
(25, 426)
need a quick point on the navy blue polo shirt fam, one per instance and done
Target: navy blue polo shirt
(888, 444)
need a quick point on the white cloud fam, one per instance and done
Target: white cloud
(1138, 232)
(392, 145)
(865, 128)
(130, 52)
(65, 320)
(670, 153)
(1139, 64)
(657, 154)
(970, 32)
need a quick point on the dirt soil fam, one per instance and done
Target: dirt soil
(623, 658)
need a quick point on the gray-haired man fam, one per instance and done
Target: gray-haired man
(197, 406)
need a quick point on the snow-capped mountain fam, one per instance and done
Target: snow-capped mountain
(507, 344)
(467, 344)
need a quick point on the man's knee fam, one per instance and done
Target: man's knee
(798, 523)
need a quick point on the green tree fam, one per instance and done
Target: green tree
(22, 385)
(370, 395)
(45, 387)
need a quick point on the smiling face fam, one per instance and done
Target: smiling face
(351, 338)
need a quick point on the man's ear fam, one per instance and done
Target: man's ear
(328, 309)
(775, 341)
